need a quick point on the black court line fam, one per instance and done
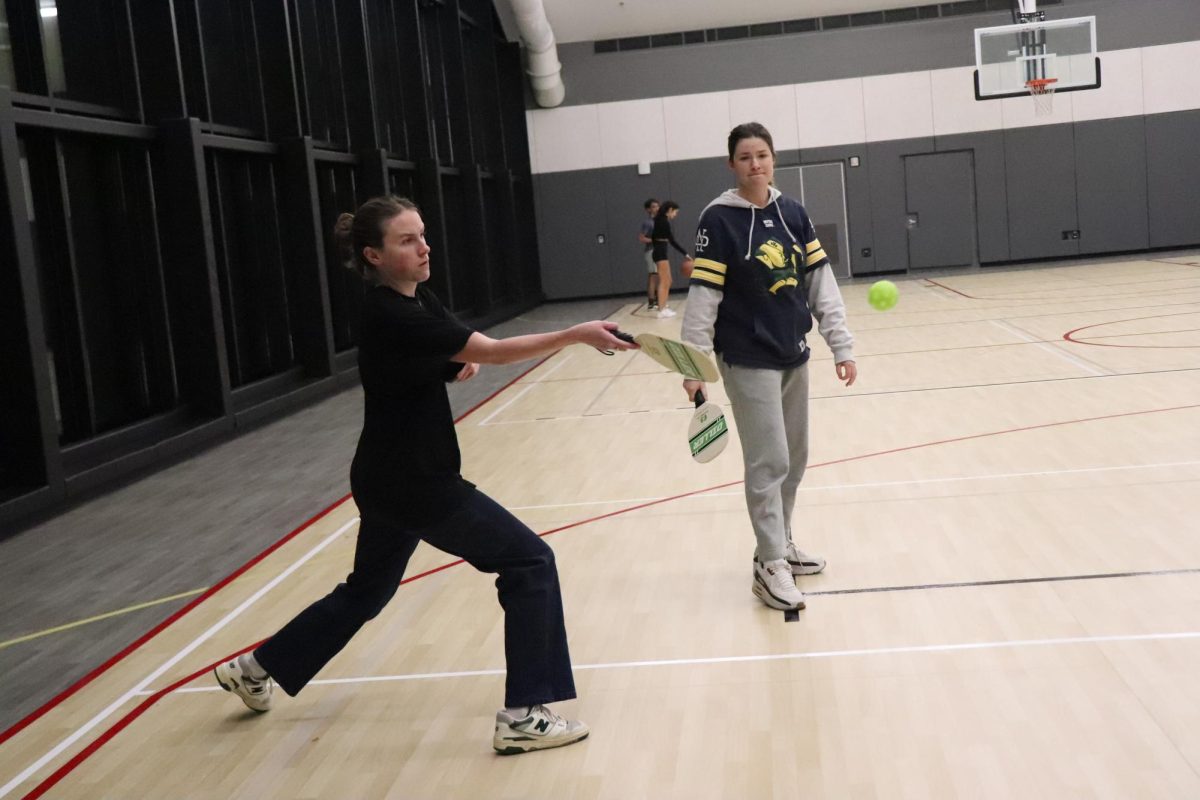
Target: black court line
(1009, 582)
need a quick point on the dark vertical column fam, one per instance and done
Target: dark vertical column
(455, 70)
(356, 79)
(186, 223)
(433, 211)
(510, 236)
(372, 173)
(304, 254)
(158, 63)
(418, 118)
(28, 433)
(478, 270)
(24, 34)
(280, 101)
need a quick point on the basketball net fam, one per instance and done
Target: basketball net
(1042, 91)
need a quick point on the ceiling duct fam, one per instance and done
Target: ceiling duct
(541, 52)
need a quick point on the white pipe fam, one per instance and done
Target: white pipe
(545, 73)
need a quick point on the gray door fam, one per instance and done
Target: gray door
(939, 191)
(821, 189)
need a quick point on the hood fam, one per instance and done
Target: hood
(731, 198)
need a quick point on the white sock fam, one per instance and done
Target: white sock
(518, 712)
(251, 667)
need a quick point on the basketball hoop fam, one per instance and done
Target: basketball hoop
(1042, 91)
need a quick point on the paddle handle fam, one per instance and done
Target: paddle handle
(699, 398)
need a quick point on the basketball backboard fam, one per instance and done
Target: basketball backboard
(1012, 59)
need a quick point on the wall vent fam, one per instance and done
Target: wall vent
(813, 25)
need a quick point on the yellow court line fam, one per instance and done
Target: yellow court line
(99, 617)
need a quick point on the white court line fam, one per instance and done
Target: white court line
(137, 691)
(1020, 334)
(521, 393)
(876, 485)
(677, 662)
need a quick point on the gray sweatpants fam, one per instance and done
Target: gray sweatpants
(770, 407)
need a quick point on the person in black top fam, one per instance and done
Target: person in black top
(407, 484)
(661, 237)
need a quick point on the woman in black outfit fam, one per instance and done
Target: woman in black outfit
(663, 236)
(406, 483)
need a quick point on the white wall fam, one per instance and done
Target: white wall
(1146, 80)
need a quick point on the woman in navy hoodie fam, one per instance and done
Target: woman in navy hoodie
(760, 280)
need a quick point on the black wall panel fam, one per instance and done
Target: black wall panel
(624, 193)
(174, 276)
(1110, 174)
(693, 184)
(1173, 171)
(1040, 169)
(571, 214)
(991, 207)
(886, 160)
(858, 205)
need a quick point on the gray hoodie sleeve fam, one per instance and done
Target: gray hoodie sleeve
(825, 302)
(700, 316)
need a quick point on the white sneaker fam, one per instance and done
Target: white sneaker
(254, 693)
(540, 729)
(665, 313)
(775, 586)
(802, 563)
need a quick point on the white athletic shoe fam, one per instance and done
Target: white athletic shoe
(255, 694)
(540, 729)
(802, 563)
(664, 313)
(775, 586)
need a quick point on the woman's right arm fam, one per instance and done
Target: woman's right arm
(482, 349)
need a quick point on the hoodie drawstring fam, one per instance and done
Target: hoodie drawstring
(750, 235)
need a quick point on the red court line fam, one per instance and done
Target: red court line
(122, 723)
(1069, 335)
(62, 696)
(952, 289)
(117, 727)
(33, 716)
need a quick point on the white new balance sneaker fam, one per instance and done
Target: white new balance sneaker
(775, 586)
(540, 729)
(802, 563)
(254, 693)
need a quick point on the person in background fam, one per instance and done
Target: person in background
(645, 234)
(663, 237)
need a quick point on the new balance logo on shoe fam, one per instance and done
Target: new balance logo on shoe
(539, 730)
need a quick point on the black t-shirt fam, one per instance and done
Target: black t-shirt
(407, 464)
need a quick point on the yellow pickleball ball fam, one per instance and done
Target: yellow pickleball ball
(883, 295)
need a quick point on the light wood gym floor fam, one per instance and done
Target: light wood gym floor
(1012, 605)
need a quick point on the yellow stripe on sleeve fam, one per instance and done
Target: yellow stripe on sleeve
(814, 258)
(710, 265)
(707, 276)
